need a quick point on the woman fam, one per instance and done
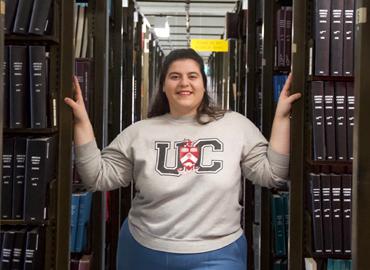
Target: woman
(186, 162)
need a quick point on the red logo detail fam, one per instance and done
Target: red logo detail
(189, 156)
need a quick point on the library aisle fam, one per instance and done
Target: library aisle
(175, 185)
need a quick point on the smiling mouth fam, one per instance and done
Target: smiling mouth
(184, 93)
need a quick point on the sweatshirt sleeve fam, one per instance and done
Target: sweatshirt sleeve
(104, 170)
(261, 164)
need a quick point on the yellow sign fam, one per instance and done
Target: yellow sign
(209, 45)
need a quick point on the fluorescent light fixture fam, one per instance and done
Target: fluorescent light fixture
(163, 32)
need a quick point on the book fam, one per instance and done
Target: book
(39, 16)
(318, 120)
(6, 87)
(75, 202)
(336, 42)
(317, 214)
(40, 170)
(288, 35)
(10, 10)
(329, 120)
(85, 262)
(18, 87)
(336, 191)
(38, 86)
(232, 20)
(310, 264)
(278, 224)
(347, 212)
(341, 121)
(322, 37)
(7, 250)
(280, 36)
(348, 37)
(7, 178)
(18, 249)
(83, 218)
(350, 118)
(327, 211)
(34, 249)
(22, 17)
(20, 145)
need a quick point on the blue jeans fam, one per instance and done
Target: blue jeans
(133, 256)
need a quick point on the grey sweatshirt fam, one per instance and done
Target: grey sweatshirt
(187, 177)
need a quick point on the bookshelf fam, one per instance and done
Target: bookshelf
(301, 238)
(60, 47)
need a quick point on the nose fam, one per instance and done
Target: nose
(184, 82)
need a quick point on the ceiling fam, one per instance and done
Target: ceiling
(206, 19)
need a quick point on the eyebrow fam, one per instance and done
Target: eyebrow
(178, 73)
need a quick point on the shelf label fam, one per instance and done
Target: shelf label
(361, 15)
(210, 45)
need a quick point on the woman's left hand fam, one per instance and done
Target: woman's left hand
(286, 100)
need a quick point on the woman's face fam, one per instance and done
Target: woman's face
(184, 87)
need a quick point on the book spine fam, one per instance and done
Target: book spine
(288, 35)
(38, 86)
(281, 37)
(7, 250)
(336, 186)
(6, 87)
(341, 120)
(39, 16)
(336, 45)
(10, 10)
(350, 118)
(318, 237)
(327, 213)
(19, 175)
(318, 120)
(322, 37)
(22, 16)
(7, 178)
(18, 86)
(329, 120)
(348, 37)
(347, 212)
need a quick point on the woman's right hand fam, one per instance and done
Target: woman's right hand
(77, 105)
(83, 131)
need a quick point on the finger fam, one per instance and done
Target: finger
(294, 97)
(71, 103)
(77, 88)
(287, 85)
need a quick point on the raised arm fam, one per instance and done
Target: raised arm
(280, 133)
(83, 131)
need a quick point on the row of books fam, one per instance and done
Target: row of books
(278, 84)
(280, 221)
(280, 264)
(331, 264)
(81, 31)
(26, 90)
(81, 262)
(27, 16)
(283, 38)
(22, 248)
(331, 203)
(80, 216)
(333, 106)
(28, 168)
(334, 37)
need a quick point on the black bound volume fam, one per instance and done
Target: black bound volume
(7, 250)
(348, 30)
(39, 16)
(10, 10)
(22, 16)
(18, 176)
(232, 25)
(7, 178)
(34, 249)
(318, 120)
(38, 87)
(347, 212)
(336, 190)
(18, 86)
(341, 123)
(288, 35)
(336, 44)
(18, 249)
(327, 213)
(280, 36)
(318, 237)
(329, 120)
(322, 37)
(6, 86)
(350, 118)
(40, 169)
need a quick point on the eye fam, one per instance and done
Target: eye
(174, 77)
(193, 76)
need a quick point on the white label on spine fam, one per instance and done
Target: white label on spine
(361, 15)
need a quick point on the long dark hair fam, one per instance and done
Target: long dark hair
(160, 104)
